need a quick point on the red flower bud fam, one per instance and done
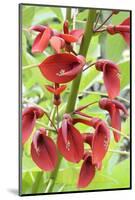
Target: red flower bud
(114, 107)
(87, 172)
(70, 141)
(62, 68)
(110, 75)
(43, 151)
(29, 117)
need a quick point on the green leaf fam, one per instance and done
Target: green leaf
(124, 73)
(27, 15)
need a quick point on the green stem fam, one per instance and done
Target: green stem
(36, 184)
(83, 51)
(29, 66)
(68, 14)
(104, 94)
(45, 126)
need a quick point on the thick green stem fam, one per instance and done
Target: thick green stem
(83, 51)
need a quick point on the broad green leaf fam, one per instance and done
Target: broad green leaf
(27, 15)
(124, 73)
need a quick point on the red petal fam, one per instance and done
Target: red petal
(38, 28)
(43, 151)
(77, 33)
(120, 106)
(91, 122)
(55, 66)
(87, 173)
(65, 130)
(28, 123)
(41, 41)
(69, 38)
(88, 138)
(100, 143)
(65, 27)
(57, 43)
(74, 149)
(111, 80)
(126, 21)
(116, 123)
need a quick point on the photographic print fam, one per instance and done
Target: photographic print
(75, 96)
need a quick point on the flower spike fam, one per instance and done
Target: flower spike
(29, 117)
(43, 151)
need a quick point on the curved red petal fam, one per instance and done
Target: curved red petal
(100, 143)
(116, 123)
(87, 173)
(60, 89)
(28, 123)
(74, 149)
(50, 88)
(126, 21)
(120, 106)
(69, 38)
(43, 152)
(77, 33)
(41, 41)
(38, 28)
(57, 43)
(111, 75)
(56, 65)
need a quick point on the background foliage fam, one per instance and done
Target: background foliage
(116, 167)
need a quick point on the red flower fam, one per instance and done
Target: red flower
(62, 68)
(114, 107)
(100, 140)
(45, 36)
(123, 29)
(87, 171)
(70, 141)
(110, 75)
(71, 36)
(29, 117)
(43, 151)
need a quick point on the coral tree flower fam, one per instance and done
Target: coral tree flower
(100, 140)
(29, 117)
(123, 29)
(45, 36)
(87, 171)
(110, 75)
(70, 141)
(43, 151)
(62, 68)
(114, 107)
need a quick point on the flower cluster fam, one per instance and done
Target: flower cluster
(60, 68)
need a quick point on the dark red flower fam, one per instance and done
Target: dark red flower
(43, 151)
(87, 171)
(110, 75)
(99, 141)
(29, 117)
(45, 36)
(62, 68)
(123, 29)
(71, 36)
(114, 107)
(70, 141)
